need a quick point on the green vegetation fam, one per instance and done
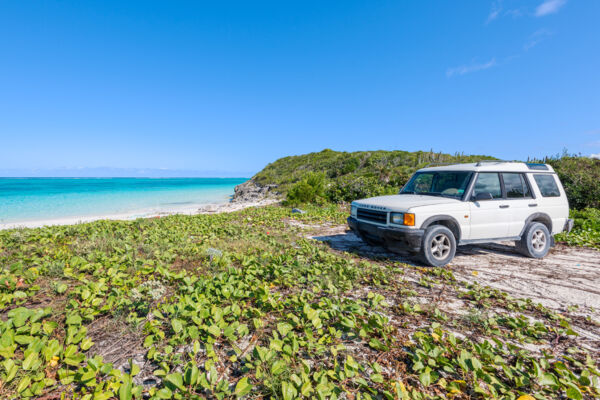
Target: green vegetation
(586, 231)
(581, 178)
(269, 314)
(310, 189)
(349, 176)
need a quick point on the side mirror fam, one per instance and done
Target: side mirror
(483, 196)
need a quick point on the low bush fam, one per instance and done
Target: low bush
(580, 177)
(586, 231)
(309, 190)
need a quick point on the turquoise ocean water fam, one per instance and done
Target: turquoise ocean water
(35, 199)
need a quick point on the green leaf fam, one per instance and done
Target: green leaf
(74, 320)
(548, 380)
(177, 325)
(176, 381)
(288, 390)
(125, 391)
(164, 393)
(11, 369)
(29, 361)
(61, 288)
(214, 330)
(23, 384)
(573, 392)
(278, 367)
(243, 387)
(86, 344)
(347, 322)
(283, 328)
(425, 377)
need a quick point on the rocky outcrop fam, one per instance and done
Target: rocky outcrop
(252, 191)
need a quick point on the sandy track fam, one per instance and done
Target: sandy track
(567, 277)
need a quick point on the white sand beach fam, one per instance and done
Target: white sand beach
(183, 210)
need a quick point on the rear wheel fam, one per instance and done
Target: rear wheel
(438, 246)
(536, 240)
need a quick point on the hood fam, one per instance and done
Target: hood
(402, 202)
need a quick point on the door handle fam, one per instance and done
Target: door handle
(504, 206)
(533, 205)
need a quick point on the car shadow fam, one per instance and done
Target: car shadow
(351, 243)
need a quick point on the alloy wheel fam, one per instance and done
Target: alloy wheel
(440, 246)
(538, 240)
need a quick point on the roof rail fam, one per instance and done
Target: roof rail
(438, 164)
(480, 163)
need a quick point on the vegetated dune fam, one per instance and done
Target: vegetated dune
(246, 304)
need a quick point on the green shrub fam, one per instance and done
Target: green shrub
(351, 175)
(309, 190)
(348, 188)
(586, 231)
(344, 177)
(580, 177)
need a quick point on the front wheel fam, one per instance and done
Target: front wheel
(536, 240)
(438, 246)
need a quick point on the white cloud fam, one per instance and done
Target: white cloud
(467, 69)
(495, 12)
(535, 39)
(549, 7)
(597, 156)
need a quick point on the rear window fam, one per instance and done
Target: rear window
(547, 185)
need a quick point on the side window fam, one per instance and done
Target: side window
(488, 182)
(547, 185)
(515, 186)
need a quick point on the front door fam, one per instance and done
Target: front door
(490, 219)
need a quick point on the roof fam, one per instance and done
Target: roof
(496, 166)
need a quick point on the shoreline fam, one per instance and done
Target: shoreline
(211, 208)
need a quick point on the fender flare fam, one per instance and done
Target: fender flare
(448, 218)
(542, 217)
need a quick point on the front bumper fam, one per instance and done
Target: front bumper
(404, 237)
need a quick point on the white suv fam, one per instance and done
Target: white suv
(489, 201)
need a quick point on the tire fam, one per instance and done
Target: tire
(438, 246)
(535, 241)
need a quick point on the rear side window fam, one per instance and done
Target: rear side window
(515, 186)
(547, 185)
(488, 182)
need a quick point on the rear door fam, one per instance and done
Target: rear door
(519, 199)
(489, 218)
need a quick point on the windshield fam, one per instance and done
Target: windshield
(438, 183)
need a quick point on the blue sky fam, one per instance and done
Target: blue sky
(231, 86)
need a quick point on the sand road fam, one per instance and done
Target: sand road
(565, 278)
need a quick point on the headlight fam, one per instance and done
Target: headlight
(397, 218)
(353, 211)
(402, 219)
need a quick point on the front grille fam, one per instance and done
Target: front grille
(372, 215)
